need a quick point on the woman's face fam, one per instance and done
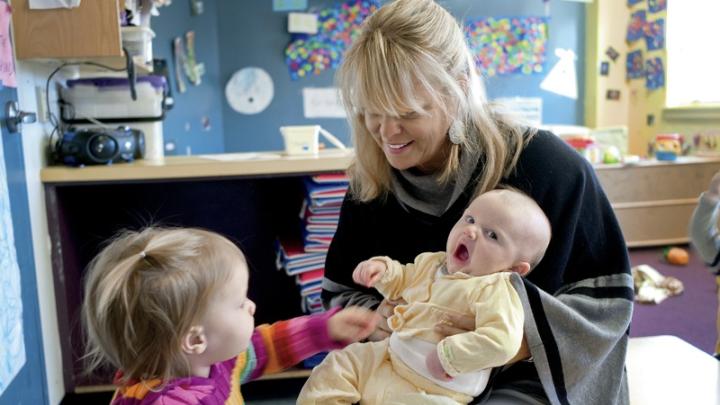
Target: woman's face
(415, 139)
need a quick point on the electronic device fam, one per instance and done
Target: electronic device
(99, 146)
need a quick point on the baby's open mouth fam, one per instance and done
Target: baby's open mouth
(461, 253)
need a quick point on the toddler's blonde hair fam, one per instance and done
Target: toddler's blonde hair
(145, 290)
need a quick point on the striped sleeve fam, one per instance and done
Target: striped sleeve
(703, 228)
(283, 344)
(595, 314)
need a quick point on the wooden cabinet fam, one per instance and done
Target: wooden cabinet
(653, 200)
(91, 30)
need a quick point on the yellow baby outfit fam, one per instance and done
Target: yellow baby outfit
(394, 371)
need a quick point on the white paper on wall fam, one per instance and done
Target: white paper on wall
(302, 23)
(322, 102)
(527, 109)
(562, 78)
(46, 4)
(12, 342)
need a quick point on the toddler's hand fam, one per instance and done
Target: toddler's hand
(352, 324)
(432, 361)
(369, 272)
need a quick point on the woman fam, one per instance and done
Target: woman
(426, 140)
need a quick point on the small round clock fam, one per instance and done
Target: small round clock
(250, 90)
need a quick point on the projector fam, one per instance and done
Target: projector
(87, 146)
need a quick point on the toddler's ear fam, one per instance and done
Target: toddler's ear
(194, 342)
(521, 268)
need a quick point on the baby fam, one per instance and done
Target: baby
(169, 309)
(502, 234)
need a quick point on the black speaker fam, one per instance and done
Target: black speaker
(100, 146)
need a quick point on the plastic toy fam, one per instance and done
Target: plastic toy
(677, 256)
(668, 146)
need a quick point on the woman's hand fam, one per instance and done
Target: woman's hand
(385, 311)
(352, 324)
(452, 324)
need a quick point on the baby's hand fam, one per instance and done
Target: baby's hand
(352, 324)
(432, 361)
(369, 272)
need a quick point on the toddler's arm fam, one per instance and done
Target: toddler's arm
(703, 224)
(283, 344)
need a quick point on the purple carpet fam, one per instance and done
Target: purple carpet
(689, 316)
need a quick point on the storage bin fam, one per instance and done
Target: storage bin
(107, 97)
(138, 42)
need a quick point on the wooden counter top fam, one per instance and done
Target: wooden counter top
(201, 166)
(249, 164)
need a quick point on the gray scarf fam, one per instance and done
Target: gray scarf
(424, 193)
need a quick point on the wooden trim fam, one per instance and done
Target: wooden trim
(694, 113)
(194, 167)
(659, 242)
(660, 203)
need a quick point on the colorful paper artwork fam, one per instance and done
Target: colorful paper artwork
(612, 94)
(656, 5)
(337, 26)
(655, 34)
(289, 5)
(635, 68)
(631, 3)
(514, 45)
(604, 68)
(612, 53)
(636, 27)
(654, 74)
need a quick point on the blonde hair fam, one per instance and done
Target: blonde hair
(145, 290)
(421, 37)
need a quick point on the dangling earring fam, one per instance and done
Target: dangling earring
(456, 132)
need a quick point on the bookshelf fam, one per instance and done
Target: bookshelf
(251, 200)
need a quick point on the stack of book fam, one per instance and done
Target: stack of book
(304, 257)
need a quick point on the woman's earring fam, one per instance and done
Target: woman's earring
(456, 132)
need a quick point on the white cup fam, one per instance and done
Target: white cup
(304, 139)
(301, 139)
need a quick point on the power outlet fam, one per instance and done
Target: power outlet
(42, 111)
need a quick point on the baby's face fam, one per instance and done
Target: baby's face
(488, 238)
(229, 321)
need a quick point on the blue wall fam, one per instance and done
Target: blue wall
(184, 122)
(249, 33)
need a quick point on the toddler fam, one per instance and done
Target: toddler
(502, 234)
(705, 236)
(169, 309)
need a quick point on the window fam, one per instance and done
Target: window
(693, 54)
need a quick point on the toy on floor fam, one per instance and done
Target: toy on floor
(677, 256)
(651, 287)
